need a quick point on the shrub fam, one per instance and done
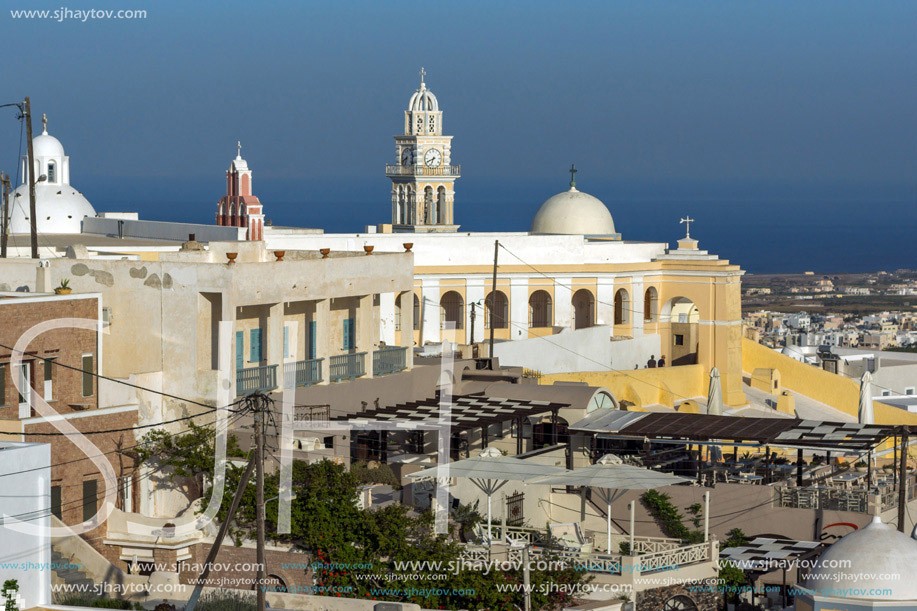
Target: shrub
(226, 600)
(382, 474)
(86, 600)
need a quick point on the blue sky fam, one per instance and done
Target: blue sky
(654, 101)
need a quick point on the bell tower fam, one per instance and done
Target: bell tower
(423, 176)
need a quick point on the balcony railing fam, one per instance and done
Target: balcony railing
(303, 373)
(256, 379)
(348, 366)
(390, 359)
(421, 170)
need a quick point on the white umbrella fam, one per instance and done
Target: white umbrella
(865, 415)
(715, 394)
(609, 474)
(489, 472)
(714, 407)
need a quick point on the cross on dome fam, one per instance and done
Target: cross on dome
(238, 149)
(573, 172)
(44, 123)
(422, 73)
(687, 220)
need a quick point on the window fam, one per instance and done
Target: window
(419, 124)
(90, 498)
(49, 379)
(622, 307)
(286, 342)
(432, 124)
(87, 375)
(349, 334)
(496, 310)
(52, 171)
(56, 502)
(2, 385)
(886, 393)
(328, 442)
(452, 310)
(650, 304)
(540, 314)
(416, 313)
(679, 340)
(909, 391)
(254, 355)
(415, 442)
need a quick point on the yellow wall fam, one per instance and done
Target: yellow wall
(666, 385)
(837, 391)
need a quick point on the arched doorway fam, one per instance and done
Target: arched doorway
(496, 310)
(441, 205)
(417, 317)
(452, 308)
(583, 309)
(540, 309)
(684, 321)
(429, 206)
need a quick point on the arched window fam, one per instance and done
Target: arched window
(401, 211)
(622, 307)
(52, 171)
(650, 304)
(583, 309)
(452, 308)
(429, 209)
(441, 205)
(540, 314)
(496, 311)
(412, 205)
(416, 313)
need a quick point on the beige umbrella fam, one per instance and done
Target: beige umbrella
(714, 406)
(865, 415)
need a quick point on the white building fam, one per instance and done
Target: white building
(60, 207)
(25, 556)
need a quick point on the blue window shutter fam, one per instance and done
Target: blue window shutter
(286, 342)
(312, 339)
(348, 334)
(240, 349)
(255, 352)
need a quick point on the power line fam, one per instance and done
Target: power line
(55, 361)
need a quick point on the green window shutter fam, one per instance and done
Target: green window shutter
(349, 339)
(87, 375)
(240, 350)
(286, 342)
(2, 384)
(90, 498)
(56, 502)
(311, 339)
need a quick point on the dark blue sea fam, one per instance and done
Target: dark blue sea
(770, 233)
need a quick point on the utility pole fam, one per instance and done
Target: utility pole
(224, 527)
(493, 301)
(903, 480)
(33, 213)
(260, 408)
(526, 575)
(5, 219)
(472, 328)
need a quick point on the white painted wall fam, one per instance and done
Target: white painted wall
(588, 349)
(32, 494)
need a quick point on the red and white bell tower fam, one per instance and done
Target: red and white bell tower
(239, 208)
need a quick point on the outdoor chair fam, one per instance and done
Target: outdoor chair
(570, 537)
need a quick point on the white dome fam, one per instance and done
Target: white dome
(573, 213)
(45, 145)
(875, 557)
(60, 208)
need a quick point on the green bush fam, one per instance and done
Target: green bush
(86, 600)
(226, 600)
(382, 474)
(660, 507)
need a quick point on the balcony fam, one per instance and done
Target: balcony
(390, 359)
(303, 373)
(256, 379)
(451, 171)
(348, 366)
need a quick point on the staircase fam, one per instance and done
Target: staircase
(70, 576)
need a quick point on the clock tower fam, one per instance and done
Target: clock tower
(423, 176)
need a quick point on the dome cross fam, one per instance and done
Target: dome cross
(573, 172)
(238, 149)
(687, 220)
(44, 123)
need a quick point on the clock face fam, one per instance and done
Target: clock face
(433, 158)
(407, 157)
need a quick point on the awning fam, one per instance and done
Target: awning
(792, 432)
(763, 555)
(463, 412)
